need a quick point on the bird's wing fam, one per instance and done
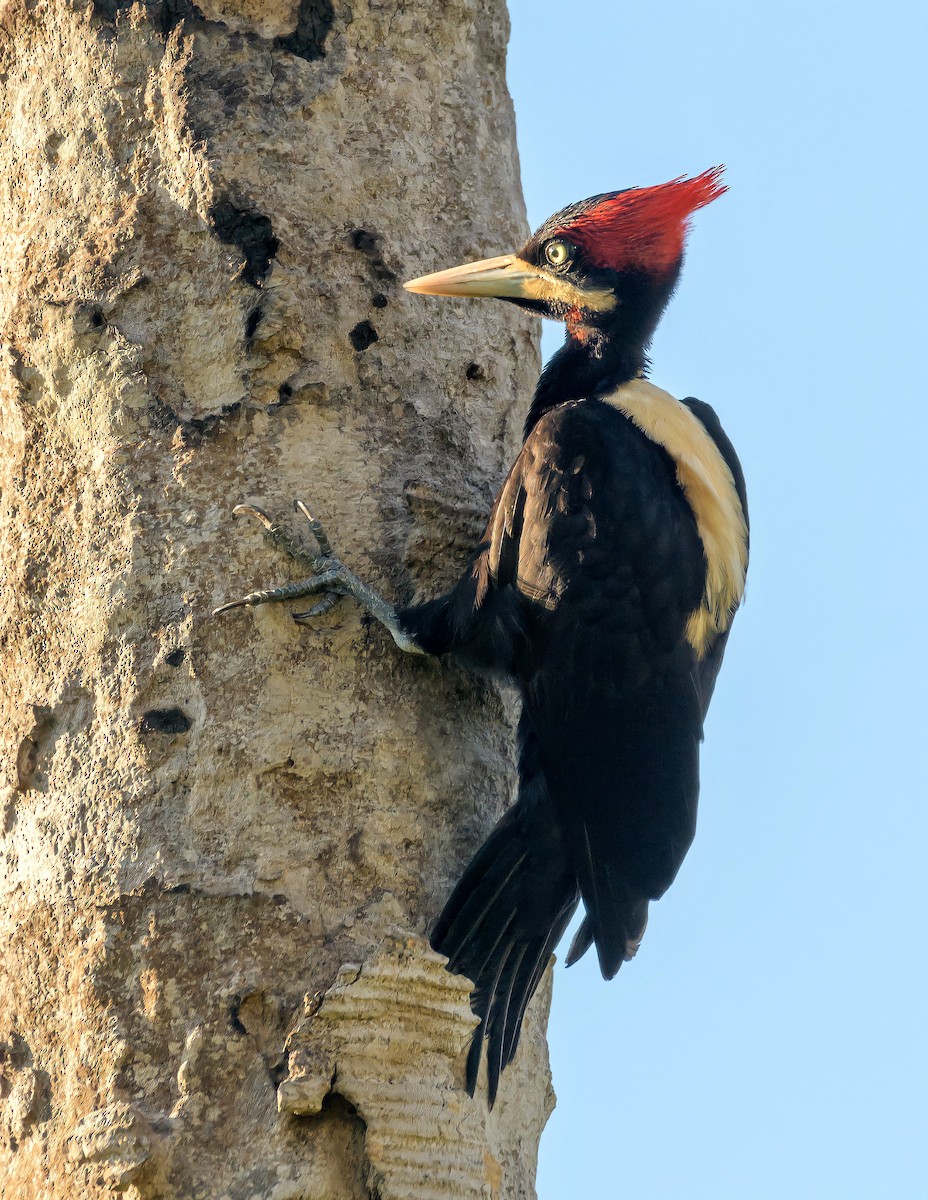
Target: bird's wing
(711, 663)
(609, 568)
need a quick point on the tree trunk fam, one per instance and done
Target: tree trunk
(224, 839)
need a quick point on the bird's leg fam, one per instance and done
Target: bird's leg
(330, 579)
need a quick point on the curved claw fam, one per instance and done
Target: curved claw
(252, 510)
(315, 528)
(224, 608)
(325, 605)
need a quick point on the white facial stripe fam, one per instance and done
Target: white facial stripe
(538, 285)
(709, 487)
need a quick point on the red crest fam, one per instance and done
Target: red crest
(644, 227)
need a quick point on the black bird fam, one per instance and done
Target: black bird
(605, 586)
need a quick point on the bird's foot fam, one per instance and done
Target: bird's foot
(330, 578)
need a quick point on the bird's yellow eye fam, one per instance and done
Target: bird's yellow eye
(557, 253)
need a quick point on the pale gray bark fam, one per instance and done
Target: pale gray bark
(224, 839)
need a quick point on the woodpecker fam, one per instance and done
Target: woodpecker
(612, 565)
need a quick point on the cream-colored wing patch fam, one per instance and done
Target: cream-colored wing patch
(709, 487)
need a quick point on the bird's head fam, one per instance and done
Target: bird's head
(606, 266)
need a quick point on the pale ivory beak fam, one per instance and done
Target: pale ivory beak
(503, 276)
(512, 278)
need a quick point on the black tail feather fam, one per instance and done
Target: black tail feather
(616, 912)
(581, 942)
(497, 1020)
(504, 918)
(626, 926)
(473, 907)
(532, 968)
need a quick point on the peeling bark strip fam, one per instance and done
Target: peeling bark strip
(390, 1037)
(203, 821)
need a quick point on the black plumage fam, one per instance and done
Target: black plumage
(581, 592)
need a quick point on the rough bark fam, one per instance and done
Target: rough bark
(222, 841)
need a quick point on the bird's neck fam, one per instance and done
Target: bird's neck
(589, 365)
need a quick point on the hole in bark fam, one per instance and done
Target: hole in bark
(380, 300)
(234, 1008)
(346, 1132)
(252, 323)
(364, 241)
(171, 12)
(278, 1072)
(96, 319)
(363, 335)
(164, 720)
(284, 392)
(475, 371)
(252, 232)
(107, 9)
(175, 658)
(313, 22)
(369, 245)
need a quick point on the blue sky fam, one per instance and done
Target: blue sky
(769, 1042)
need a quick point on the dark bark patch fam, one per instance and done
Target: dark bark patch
(364, 241)
(369, 245)
(279, 1072)
(106, 10)
(163, 14)
(188, 432)
(165, 720)
(314, 20)
(27, 756)
(252, 232)
(475, 371)
(252, 321)
(175, 658)
(363, 335)
(380, 300)
(27, 762)
(234, 1009)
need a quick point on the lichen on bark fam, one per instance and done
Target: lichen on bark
(205, 214)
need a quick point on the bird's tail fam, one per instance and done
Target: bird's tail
(621, 947)
(504, 919)
(616, 902)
